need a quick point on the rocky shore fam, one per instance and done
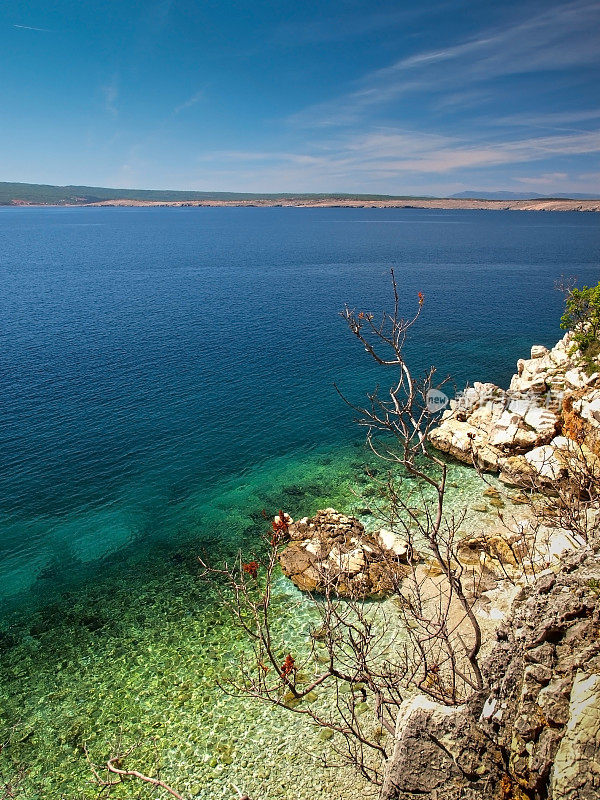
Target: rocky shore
(533, 731)
(441, 203)
(534, 734)
(530, 432)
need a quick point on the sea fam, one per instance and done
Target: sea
(170, 377)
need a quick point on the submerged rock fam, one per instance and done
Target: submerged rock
(333, 552)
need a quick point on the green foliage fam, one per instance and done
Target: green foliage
(582, 316)
(594, 585)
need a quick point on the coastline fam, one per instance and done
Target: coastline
(447, 204)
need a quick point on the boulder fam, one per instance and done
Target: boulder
(393, 543)
(529, 382)
(489, 553)
(538, 351)
(576, 378)
(464, 441)
(589, 408)
(333, 552)
(547, 462)
(517, 471)
(438, 752)
(543, 421)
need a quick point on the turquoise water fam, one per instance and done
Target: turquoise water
(168, 374)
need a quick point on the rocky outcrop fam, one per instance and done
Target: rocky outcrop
(581, 417)
(535, 732)
(439, 752)
(517, 432)
(544, 674)
(333, 552)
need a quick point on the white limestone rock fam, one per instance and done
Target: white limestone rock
(576, 771)
(393, 543)
(547, 462)
(577, 378)
(539, 351)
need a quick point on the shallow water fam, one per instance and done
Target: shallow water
(167, 375)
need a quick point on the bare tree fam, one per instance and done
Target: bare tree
(405, 418)
(369, 654)
(366, 655)
(561, 493)
(568, 499)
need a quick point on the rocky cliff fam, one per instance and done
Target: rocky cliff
(535, 732)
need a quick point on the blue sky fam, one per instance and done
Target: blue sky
(350, 96)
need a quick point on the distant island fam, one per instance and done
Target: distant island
(32, 194)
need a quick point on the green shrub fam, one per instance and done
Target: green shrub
(582, 316)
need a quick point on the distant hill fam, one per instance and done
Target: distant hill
(521, 196)
(42, 194)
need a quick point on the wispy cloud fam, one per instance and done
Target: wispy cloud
(547, 179)
(321, 29)
(110, 93)
(562, 37)
(402, 154)
(32, 28)
(191, 101)
(555, 120)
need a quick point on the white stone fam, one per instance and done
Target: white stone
(538, 350)
(559, 356)
(545, 461)
(391, 541)
(520, 405)
(528, 383)
(351, 562)
(577, 378)
(503, 436)
(561, 542)
(589, 408)
(489, 707)
(541, 419)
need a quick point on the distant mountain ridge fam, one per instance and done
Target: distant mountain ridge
(483, 195)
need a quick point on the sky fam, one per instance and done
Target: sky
(428, 98)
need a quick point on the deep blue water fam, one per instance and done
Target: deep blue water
(152, 361)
